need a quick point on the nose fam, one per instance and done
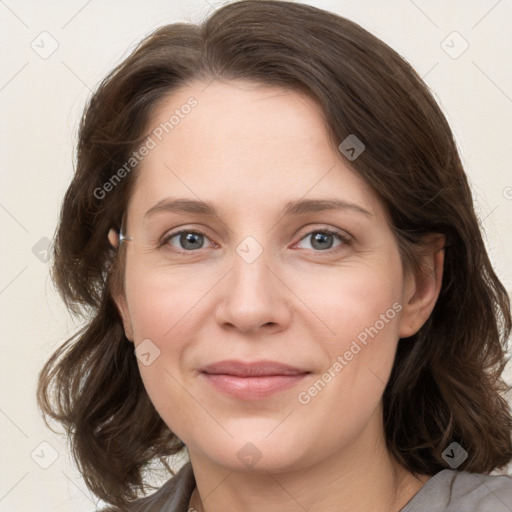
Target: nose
(254, 298)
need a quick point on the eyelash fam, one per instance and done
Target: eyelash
(344, 239)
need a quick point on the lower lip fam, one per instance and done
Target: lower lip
(252, 388)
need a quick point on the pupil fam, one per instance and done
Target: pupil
(322, 238)
(188, 240)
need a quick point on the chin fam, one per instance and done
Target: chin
(250, 452)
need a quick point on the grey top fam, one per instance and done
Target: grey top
(446, 491)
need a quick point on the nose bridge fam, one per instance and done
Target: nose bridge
(250, 270)
(250, 279)
(253, 295)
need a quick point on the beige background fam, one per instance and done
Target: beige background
(41, 100)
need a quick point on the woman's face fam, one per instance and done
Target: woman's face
(289, 259)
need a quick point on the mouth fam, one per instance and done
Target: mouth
(253, 380)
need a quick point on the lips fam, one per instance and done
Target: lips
(254, 380)
(251, 369)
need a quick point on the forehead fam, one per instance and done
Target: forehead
(235, 118)
(243, 137)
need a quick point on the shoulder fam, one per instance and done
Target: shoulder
(173, 496)
(452, 491)
(484, 492)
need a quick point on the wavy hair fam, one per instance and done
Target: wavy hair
(446, 380)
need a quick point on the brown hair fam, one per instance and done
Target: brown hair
(446, 381)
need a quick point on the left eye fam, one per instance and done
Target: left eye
(323, 240)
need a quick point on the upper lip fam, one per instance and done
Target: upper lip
(251, 369)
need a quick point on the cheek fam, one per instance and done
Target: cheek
(356, 301)
(164, 301)
(361, 306)
(166, 311)
(162, 313)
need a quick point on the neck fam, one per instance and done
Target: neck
(361, 478)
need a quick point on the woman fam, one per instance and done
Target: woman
(273, 240)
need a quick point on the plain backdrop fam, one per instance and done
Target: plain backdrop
(54, 54)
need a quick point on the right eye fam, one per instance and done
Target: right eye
(185, 240)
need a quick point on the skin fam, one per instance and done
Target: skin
(248, 150)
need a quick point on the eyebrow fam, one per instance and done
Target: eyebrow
(297, 207)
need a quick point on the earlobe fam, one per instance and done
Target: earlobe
(421, 291)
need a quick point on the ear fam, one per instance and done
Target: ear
(113, 238)
(122, 307)
(120, 300)
(421, 290)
